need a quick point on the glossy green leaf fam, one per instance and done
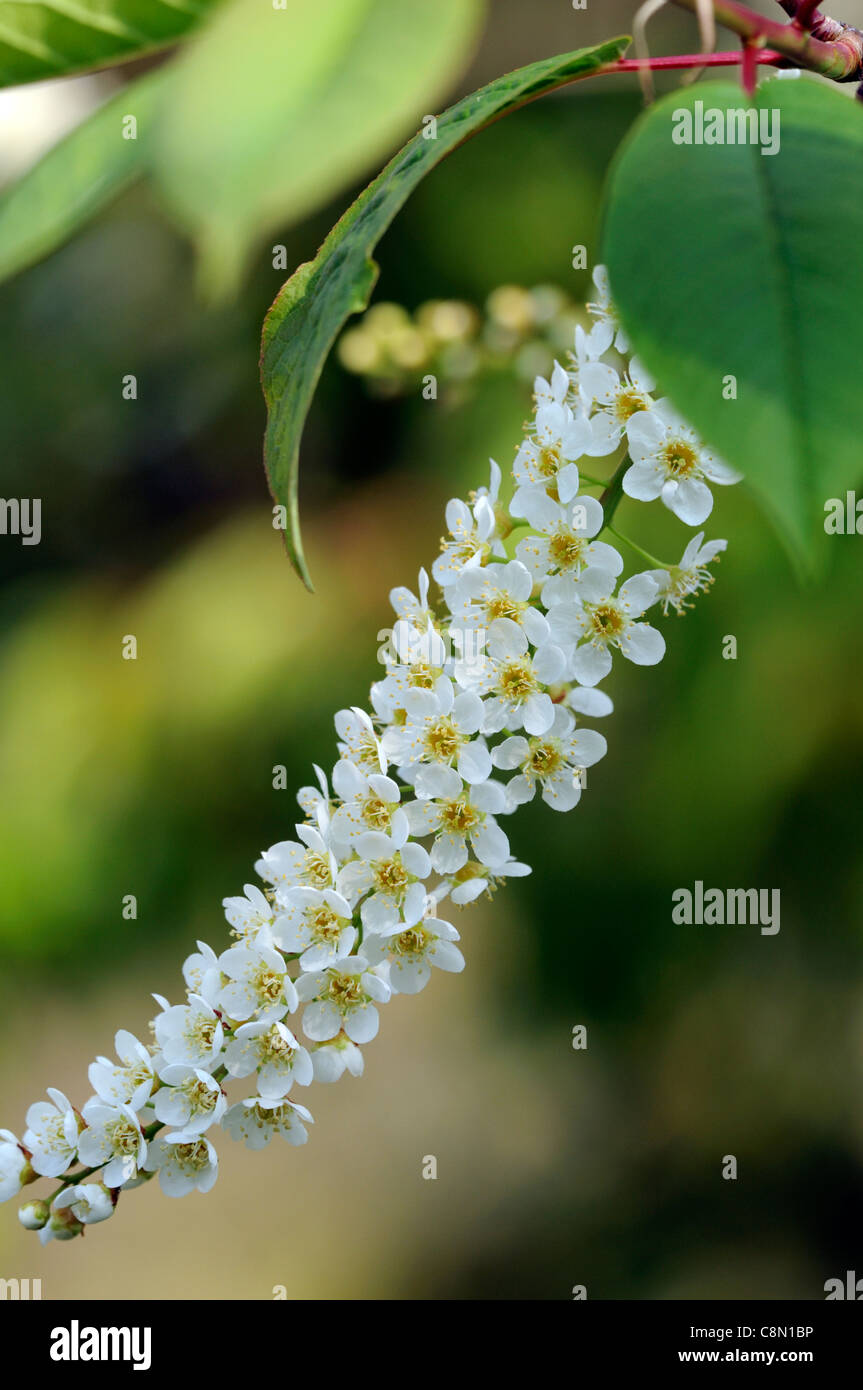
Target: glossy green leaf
(730, 263)
(314, 303)
(274, 111)
(76, 178)
(50, 38)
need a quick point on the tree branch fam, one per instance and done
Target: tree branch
(811, 41)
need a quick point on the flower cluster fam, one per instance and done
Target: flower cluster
(481, 705)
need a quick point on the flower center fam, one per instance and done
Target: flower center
(422, 676)
(346, 991)
(412, 942)
(628, 403)
(192, 1155)
(200, 1096)
(442, 740)
(124, 1137)
(268, 985)
(377, 813)
(516, 680)
(548, 460)
(316, 869)
(273, 1046)
(468, 871)
(566, 549)
(201, 1030)
(458, 815)
(391, 876)
(545, 757)
(680, 459)
(325, 924)
(606, 620)
(500, 604)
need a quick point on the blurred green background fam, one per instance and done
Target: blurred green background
(154, 778)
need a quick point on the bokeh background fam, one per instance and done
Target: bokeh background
(154, 778)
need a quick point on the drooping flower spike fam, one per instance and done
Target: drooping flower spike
(480, 709)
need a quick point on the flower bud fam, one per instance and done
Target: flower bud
(34, 1215)
(64, 1226)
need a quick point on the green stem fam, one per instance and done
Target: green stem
(614, 490)
(645, 555)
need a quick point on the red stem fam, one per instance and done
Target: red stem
(749, 72)
(695, 60)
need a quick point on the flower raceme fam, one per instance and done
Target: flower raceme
(480, 709)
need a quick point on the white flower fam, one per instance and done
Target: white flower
(607, 330)
(683, 581)
(473, 538)
(457, 814)
(51, 1135)
(258, 983)
(189, 1033)
(555, 760)
(669, 461)
(318, 927)
(368, 803)
(566, 544)
(617, 397)
(546, 458)
(130, 1083)
(89, 1202)
(257, 1121)
(273, 1052)
(201, 971)
(599, 622)
(390, 869)
(555, 390)
(315, 801)
(412, 953)
(358, 741)
(13, 1165)
(344, 998)
(421, 661)
(410, 608)
(331, 1060)
(113, 1137)
(474, 879)
(513, 680)
(440, 727)
(191, 1099)
(479, 596)
(249, 916)
(584, 353)
(185, 1162)
(308, 862)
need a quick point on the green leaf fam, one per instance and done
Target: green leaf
(53, 38)
(76, 178)
(274, 111)
(314, 303)
(726, 262)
